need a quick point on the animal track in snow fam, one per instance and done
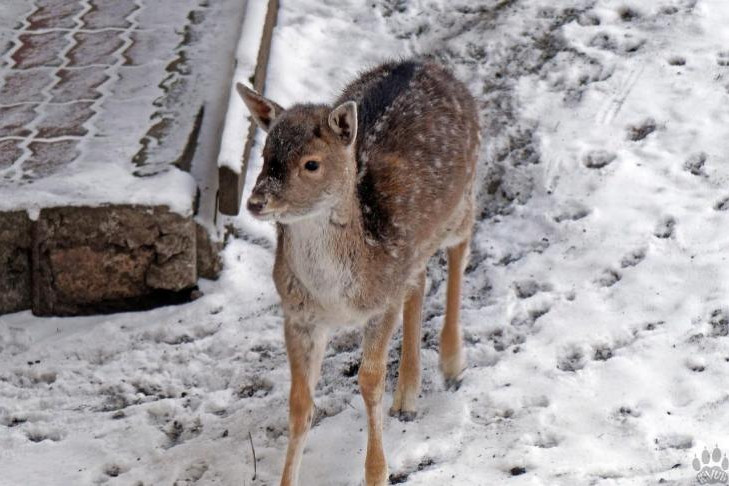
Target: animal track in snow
(181, 430)
(722, 59)
(633, 258)
(114, 470)
(602, 352)
(504, 338)
(254, 386)
(529, 288)
(625, 412)
(628, 14)
(597, 159)
(193, 473)
(695, 363)
(528, 318)
(722, 205)
(665, 227)
(402, 477)
(40, 432)
(608, 278)
(572, 360)
(719, 322)
(641, 130)
(695, 164)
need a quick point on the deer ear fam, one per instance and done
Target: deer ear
(263, 111)
(343, 121)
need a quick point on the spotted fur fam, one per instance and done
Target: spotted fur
(363, 192)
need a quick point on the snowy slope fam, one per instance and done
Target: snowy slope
(596, 315)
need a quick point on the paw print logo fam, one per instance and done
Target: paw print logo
(711, 469)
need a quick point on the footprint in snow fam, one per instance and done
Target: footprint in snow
(695, 164)
(633, 258)
(193, 473)
(602, 352)
(528, 318)
(641, 130)
(722, 205)
(572, 360)
(608, 278)
(722, 59)
(402, 476)
(626, 411)
(665, 227)
(696, 365)
(504, 338)
(40, 432)
(588, 20)
(181, 430)
(628, 14)
(114, 470)
(597, 159)
(719, 322)
(529, 288)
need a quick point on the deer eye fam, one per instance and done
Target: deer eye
(311, 165)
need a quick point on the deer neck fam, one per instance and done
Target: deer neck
(335, 228)
(324, 250)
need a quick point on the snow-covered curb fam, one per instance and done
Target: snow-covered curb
(237, 123)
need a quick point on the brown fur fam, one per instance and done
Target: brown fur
(395, 160)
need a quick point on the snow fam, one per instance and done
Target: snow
(595, 316)
(237, 123)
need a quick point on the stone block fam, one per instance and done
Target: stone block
(15, 274)
(106, 14)
(44, 49)
(209, 264)
(95, 47)
(91, 260)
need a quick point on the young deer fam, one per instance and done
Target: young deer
(362, 195)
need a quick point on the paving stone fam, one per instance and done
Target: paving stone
(10, 151)
(149, 46)
(15, 274)
(109, 13)
(7, 38)
(95, 48)
(133, 82)
(49, 157)
(14, 120)
(166, 13)
(65, 120)
(54, 14)
(111, 258)
(25, 86)
(40, 50)
(79, 84)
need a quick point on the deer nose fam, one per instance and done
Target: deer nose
(256, 203)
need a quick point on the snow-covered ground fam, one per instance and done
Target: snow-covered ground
(596, 312)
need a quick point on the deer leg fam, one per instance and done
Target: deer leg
(451, 341)
(305, 346)
(408, 379)
(372, 386)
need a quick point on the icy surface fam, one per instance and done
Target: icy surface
(596, 315)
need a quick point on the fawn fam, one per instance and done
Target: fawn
(363, 194)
